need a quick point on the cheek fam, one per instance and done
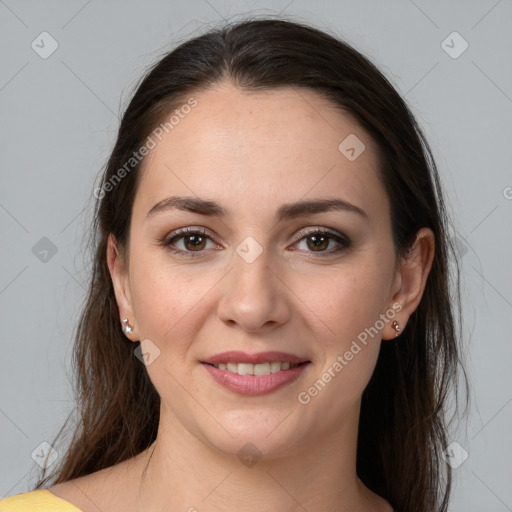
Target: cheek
(168, 301)
(349, 348)
(347, 327)
(347, 301)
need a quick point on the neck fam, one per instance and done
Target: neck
(182, 472)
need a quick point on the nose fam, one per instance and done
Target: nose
(254, 295)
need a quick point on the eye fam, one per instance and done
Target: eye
(194, 240)
(318, 240)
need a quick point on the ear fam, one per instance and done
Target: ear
(411, 279)
(121, 283)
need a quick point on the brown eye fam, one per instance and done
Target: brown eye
(197, 242)
(192, 240)
(320, 240)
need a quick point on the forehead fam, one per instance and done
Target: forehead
(280, 145)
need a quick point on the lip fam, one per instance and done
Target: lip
(236, 356)
(253, 385)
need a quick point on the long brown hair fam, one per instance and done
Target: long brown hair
(403, 427)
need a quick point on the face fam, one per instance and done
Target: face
(263, 277)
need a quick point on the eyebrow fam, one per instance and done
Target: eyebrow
(286, 211)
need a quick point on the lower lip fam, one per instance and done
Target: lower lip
(255, 384)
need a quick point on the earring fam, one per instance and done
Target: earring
(397, 328)
(126, 328)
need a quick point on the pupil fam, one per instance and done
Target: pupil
(318, 240)
(195, 240)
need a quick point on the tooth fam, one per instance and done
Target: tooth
(262, 369)
(256, 369)
(245, 368)
(275, 367)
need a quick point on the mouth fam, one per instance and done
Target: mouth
(265, 368)
(255, 374)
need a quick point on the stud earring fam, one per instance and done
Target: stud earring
(397, 328)
(126, 328)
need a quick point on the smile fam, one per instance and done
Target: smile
(244, 379)
(256, 369)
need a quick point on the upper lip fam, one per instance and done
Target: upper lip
(235, 356)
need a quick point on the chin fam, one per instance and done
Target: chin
(257, 434)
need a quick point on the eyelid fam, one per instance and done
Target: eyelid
(323, 230)
(188, 231)
(340, 238)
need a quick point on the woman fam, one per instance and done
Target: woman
(269, 324)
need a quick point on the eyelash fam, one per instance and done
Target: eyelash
(343, 240)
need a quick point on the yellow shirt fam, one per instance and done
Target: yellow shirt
(40, 500)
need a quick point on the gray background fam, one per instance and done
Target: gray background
(59, 117)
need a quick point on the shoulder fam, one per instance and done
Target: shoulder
(84, 493)
(40, 500)
(107, 489)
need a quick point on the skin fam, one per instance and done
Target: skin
(252, 152)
